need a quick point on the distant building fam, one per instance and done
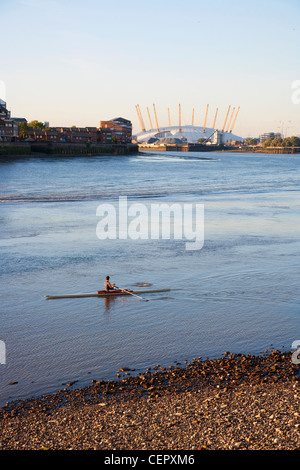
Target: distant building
(41, 135)
(268, 135)
(94, 134)
(18, 120)
(78, 134)
(9, 130)
(118, 130)
(105, 135)
(217, 138)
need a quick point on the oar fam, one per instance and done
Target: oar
(128, 291)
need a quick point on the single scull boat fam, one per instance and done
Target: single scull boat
(103, 293)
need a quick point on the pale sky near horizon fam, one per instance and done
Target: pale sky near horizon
(75, 63)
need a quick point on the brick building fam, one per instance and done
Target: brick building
(64, 134)
(9, 130)
(42, 135)
(116, 130)
(77, 134)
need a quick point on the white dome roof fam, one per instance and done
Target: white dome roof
(188, 134)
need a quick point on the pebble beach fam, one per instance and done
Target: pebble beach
(236, 402)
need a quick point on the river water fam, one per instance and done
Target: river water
(239, 293)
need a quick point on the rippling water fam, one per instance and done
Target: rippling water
(238, 293)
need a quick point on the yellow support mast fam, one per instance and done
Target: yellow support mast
(169, 120)
(226, 118)
(155, 118)
(215, 118)
(228, 127)
(179, 119)
(144, 128)
(140, 117)
(204, 125)
(149, 119)
(234, 119)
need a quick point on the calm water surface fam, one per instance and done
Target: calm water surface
(239, 292)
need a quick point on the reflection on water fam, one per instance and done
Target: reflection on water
(238, 293)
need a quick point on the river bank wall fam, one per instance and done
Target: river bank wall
(190, 147)
(40, 149)
(8, 149)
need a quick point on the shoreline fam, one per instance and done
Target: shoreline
(55, 150)
(235, 402)
(58, 150)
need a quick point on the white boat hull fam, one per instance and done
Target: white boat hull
(106, 294)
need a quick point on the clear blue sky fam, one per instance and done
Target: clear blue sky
(74, 62)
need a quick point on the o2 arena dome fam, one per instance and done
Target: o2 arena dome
(189, 133)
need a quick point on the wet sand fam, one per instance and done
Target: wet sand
(236, 402)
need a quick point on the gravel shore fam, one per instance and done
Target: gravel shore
(235, 402)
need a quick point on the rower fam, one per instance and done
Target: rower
(108, 286)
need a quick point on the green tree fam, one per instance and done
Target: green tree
(37, 124)
(291, 142)
(277, 142)
(251, 141)
(296, 141)
(268, 142)
(23, 130)
(273, 142)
